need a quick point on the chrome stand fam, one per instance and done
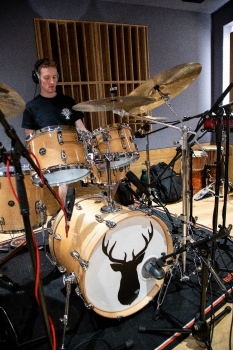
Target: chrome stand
(112, 206)
(68, 281)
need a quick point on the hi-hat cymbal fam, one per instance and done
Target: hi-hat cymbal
(108, 104)
(172, 81)
(11, 103)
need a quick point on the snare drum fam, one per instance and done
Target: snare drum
(107, 254)
(116, 141)
(61, 153)
(11, 220)
(99, 177)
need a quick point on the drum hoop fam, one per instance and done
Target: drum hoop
(50, 129)
(114, 126)
(3, 173)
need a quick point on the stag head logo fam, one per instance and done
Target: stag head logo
(129, 284)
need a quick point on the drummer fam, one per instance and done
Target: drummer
(50, 108)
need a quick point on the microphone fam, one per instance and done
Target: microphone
(129, 344)
(69, 206)
(138, 183)
(154, 268)
(138, 134)
(133, 192)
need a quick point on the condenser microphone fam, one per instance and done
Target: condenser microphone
(138, 183)
(129, 344)
(69, 206)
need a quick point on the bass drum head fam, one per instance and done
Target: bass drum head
(118, 285)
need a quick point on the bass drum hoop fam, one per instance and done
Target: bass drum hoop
(92, 243)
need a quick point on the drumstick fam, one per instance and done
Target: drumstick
(13, 252)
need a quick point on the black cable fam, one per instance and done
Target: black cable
(96, 339)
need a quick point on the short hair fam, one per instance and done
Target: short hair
(46, 64)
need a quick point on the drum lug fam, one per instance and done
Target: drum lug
(63, 155)
(78, 206)
(61, 269)
(124, 145)
(83, 263)
(109, 224)
(89, 306)
(59, 138)
(69, 279)
(132, 139)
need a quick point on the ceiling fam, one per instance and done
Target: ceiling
(207, 6)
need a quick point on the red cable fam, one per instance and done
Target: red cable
(63, 212)
(9, 178)
(53, 333)
(38, 165)
(41, 176)
(37, 268)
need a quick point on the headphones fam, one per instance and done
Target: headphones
(35, 73)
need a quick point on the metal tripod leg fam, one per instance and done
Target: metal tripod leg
(68, 281)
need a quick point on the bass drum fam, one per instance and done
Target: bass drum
(108, 253)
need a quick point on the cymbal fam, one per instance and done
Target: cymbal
(108, 104)
(172, 81)
(11, 103)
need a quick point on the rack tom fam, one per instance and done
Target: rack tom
(62, 153)
(116, 142)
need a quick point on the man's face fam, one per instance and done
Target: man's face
(48, 81)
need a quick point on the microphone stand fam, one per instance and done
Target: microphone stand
(201, 330)
(18, 149)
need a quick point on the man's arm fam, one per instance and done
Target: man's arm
(79, 124)
(28, 131)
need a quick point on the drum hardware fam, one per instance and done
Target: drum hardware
(78, 292)
(67, 281)
(83, 263)
(109, 224)
(201, 330)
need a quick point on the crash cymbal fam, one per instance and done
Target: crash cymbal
(172, 81)
(11, 103)
(108, 104)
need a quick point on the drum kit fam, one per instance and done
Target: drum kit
(104, 237)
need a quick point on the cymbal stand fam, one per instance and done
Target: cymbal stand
(185, 131)
(185, 171)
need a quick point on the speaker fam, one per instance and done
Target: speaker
(35, 73)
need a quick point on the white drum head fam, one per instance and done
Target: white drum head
(113, 281)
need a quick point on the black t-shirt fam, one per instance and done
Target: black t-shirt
(42, 112)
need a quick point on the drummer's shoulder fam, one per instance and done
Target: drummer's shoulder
(34, 101)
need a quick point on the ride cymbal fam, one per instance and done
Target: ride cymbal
(108, 104)
(170, 83)
(11, 103)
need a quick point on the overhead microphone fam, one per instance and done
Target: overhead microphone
(69, 206)
(138, 183)
(129, 344)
